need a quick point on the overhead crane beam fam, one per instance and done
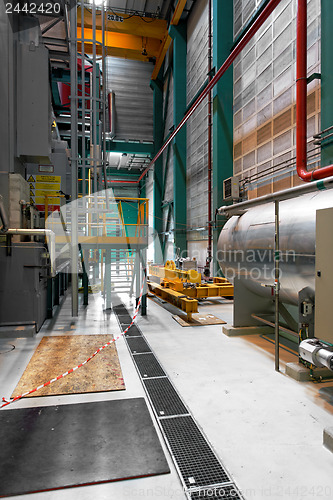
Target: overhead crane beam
(119, 44)
(134, 25)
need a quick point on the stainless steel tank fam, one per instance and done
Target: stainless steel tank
(246, 245)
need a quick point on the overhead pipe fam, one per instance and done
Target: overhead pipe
(286, 194)
(301, 92)
(301, 101)
(122, 182)
(227, 63)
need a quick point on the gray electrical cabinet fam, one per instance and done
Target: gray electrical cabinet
(33, 121)
(324, 275)
(23, 284)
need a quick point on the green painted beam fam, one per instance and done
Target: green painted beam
(117, 174)
(222, 108)
(166, 104)
(167, 228)
(178, 34)
(129, 147)
(166, 169)
(326, 77)
(157, 87)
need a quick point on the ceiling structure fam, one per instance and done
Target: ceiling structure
(134, 163)
(134, 29)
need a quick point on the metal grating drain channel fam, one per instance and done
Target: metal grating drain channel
(196, 461)
(138, 345)
(132, 332)
(164, 397)
(148, 365)
(200, 470)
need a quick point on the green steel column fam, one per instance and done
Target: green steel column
(222, 108)
(157, 87)
(178, 34)
(326, 78)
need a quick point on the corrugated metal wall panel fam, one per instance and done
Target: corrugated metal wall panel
(197, 125)
(152, 240)
(133, 98)
(168, 99)
(264, 94)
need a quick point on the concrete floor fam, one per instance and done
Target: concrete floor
(266, 428)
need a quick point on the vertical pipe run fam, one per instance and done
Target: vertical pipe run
(83, 92)
(227, 63)
(301, 101)
(277, 284)
(74, 155)
(94, 107)
(209, 247)
(104, 107)
(301, 88)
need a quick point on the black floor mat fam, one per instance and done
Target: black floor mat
(54, 447)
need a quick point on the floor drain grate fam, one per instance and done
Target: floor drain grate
(201, 472)
(124, 319)
(148, 365)
(164, 397)
(196, 460)
(138, 345)
(132, 332)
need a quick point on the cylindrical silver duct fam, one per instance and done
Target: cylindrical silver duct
(246, 245)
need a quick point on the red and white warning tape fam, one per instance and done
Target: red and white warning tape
(9, 401)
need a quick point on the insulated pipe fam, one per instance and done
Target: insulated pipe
(301, 101)
(227, 63)
(39, 232)
(238, 208)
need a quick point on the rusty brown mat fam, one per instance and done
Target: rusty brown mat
(56, 355)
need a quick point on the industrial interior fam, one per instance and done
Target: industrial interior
(166, 240)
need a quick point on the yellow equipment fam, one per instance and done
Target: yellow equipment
(184, 288)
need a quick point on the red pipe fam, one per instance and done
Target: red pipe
(227, 63)
(123, 182)
(209, 246)
(301, 101)
(301, 92)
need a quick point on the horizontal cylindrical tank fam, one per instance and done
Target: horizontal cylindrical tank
(246, 245)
